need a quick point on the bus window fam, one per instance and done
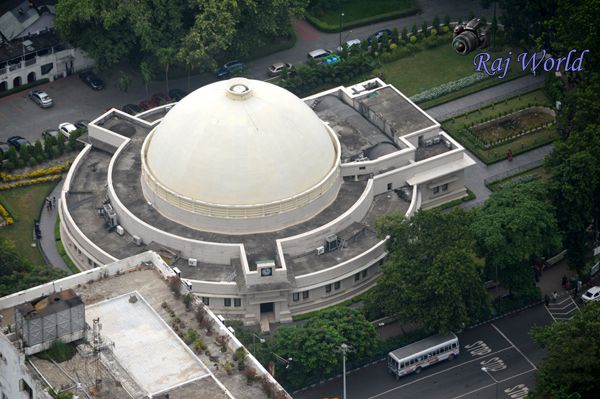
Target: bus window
(401, 365)
(454, 345)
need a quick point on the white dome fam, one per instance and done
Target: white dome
(240, 142)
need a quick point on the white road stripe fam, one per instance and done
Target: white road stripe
(510, 342)
(440, 372)
(491, 385)
(550, 313)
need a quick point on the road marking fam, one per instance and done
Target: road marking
(494, 364)
(478, 359)
(517, 392)
(492, 384)
(550, 313)
(510, 342)
(478, 348)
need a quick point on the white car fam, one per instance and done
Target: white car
(593, 294)
(66, 129)
(349, 44)
(320, 53)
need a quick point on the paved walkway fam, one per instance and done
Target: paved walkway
(487, 96)
(48, 241)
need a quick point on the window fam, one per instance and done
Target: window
(445, 187)
(237, 302)
(328, 288)
(436, 190)
(205, 300)
(357, 277)
(362, 167)
(304, 294)
(296, 296)
(364, 273)
(381, 261)
(389, 186)
(337, 285)
(227, 302)
(46, 68)
(454, 345)
(25, 387)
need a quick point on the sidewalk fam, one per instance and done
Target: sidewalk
(48, 241)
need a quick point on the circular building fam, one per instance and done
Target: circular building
(263, 203)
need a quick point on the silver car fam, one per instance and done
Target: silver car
(41, 98)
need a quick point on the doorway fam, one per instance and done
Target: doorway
(17, 81)
(31, 77)
(266, 308)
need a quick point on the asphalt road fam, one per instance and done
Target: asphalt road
(503, 346)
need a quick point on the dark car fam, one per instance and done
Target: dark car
(379, 34)
(82, 124)
(90, 79)
(18, 141)
(229, 69)
(4, 147)
(161, 98)
(177, 94)
(50, 133)
(131, 109)
(148, 104)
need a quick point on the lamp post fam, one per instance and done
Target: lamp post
(344, 350)
(485, 370)
(260, 339)
(341, 24)
(281, 359)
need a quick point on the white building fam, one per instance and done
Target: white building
(264, 203)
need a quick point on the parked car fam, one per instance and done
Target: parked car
(131, 109)
(161, 98)
(591, 295)
(229, 69)
(50, 133)
(18, 141)
(349, 44)
(177, 94)
(148, 104)
(82, 124)
(41, 98)
(66, 129)
(4, 147)
(90, 79)
(278, 67)
(379, 34)
(317, 54)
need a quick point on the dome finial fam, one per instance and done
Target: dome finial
(239, 89)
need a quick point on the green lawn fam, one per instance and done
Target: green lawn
(430, 68)
(454, 126)
(359, 12)
(24, 204)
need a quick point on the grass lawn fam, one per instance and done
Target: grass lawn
(455, 126)
(538, 173)
(430, 68)
(357, 11)
(24, 204)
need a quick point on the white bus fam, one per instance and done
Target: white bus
(421, 354)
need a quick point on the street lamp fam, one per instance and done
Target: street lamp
(281, 359)
(260, 339)
(341, 24)
(485, 370)
(344, 350)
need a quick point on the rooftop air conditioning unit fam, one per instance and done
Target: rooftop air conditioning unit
(192, 262)
(448, 144)
(428, 142)
(320, 250)
(331, 243)
(137, 240)
(436, 140)
(120, 230)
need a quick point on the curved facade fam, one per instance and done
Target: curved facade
(296, 246)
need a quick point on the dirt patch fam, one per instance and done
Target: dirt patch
(512, 125)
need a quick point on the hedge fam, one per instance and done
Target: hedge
(23, 87)
(334, 28)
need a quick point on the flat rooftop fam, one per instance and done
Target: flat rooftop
(132, 325)
(147, 355)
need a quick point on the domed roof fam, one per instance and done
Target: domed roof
(240, 142)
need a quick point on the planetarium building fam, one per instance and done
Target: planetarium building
(262, 202)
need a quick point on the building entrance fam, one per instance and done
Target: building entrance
(266, 308)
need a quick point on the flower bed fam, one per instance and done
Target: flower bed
(52, 170)
(449, 87)
(23, 183)
(8, 220)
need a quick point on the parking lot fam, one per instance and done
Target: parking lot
(503, 347)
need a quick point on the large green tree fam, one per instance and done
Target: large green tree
(17, 274)
(514, 226)
(313, 346)
(571, 369)
(431, 275)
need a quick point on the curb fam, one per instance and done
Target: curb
(505, 314)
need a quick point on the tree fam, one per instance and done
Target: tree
(514, 226)
(60, 143)
(436, 23)
(38, 150)
(12, 155)
(24, 153)
(146, 72)
(424, 30)
(404, 34)
(313, 346)
(17, 274)
(429, 278)
(571, 369)
(414, 30)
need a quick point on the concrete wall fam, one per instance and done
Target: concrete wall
(12, 370)
(394, 160)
